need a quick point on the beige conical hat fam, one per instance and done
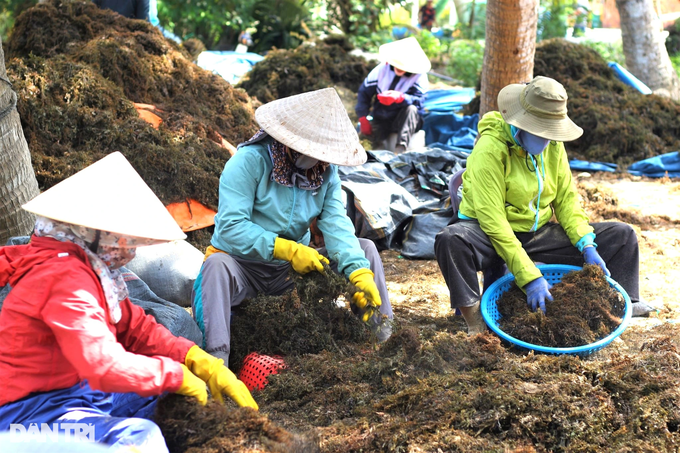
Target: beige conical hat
(405, 54)
(314, 124)
(82, 198)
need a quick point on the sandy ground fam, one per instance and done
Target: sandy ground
(417, 286)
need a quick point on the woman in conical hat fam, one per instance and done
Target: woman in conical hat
(73, 348)
(516, 179)
(398, 85)
(271, 190)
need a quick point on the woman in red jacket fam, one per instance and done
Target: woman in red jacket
(76, 356)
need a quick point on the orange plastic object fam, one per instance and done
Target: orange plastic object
(191, 215)
(144, 112)
(256, 368)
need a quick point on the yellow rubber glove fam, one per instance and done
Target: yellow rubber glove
(303, 259)
(192, 385)
(368, 297)
(219, 378)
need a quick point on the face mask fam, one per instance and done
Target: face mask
(305, 162)
(531, 143)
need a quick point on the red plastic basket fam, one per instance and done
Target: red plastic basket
(256, 367)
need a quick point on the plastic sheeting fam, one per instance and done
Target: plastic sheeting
(658, 166)
(230, 65)
(584, 165)
(450, 129)
(449, 100)
(402, 201)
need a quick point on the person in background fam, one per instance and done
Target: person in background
(427, 15)
(271, 190)
(73, 348)
(132, 9)
(399, 85)
(516, 179)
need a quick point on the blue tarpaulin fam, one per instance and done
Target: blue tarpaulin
(658, 166)
(450, 129)
(584, 165)
(228, 64)
(448, 100)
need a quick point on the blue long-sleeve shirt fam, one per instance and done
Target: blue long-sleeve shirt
(369, 88)
(253, 210)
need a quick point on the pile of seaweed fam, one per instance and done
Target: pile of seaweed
(311, 66)
(192, 428)
(431, 388)
(620, 124)
(585, 308)
(307, 320)
(78, 70)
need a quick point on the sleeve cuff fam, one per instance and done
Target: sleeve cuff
(588, 239)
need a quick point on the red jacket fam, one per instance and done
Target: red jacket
(55, 329)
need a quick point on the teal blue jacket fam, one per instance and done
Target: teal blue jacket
(254, 210)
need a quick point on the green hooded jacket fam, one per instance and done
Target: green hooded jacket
(501, 187)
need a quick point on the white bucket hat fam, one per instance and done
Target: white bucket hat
(540, 108)
(314, 124)
(405, 54)
(78, 200)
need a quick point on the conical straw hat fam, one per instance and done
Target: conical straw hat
(405, 54)
(109, 195)
(314, 124)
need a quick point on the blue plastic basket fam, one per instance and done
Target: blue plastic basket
(553, 273)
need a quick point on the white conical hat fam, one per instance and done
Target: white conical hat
(81, 199)
(314, 124)
(405, 54)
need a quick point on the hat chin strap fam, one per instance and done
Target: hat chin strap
(95, 244)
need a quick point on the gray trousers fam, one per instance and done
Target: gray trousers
(463, 249)
(226, 280)
(406, 123)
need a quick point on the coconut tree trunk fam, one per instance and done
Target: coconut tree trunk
(17, 179)
(510, 46)
(644, 47)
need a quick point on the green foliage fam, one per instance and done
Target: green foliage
(466, 60)
(430, 44)
(608, 51)
(372, 41)
(552, 20)
(10, 10)
(473, 26)
(673, 40)
(279, 24)
(215, 22)
(357, 17)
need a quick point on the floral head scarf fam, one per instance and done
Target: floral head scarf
(285, 172)
(106, 251)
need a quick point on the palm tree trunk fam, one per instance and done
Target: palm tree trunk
(17, 179)
(510, 46)
(644, 47)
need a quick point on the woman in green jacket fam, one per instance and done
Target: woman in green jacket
(516, 178)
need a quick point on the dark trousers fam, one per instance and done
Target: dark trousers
(463, 249)
(406, 123)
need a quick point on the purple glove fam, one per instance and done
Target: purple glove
(537, 292)
(591, 256)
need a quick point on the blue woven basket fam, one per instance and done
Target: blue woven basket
(553, 273)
